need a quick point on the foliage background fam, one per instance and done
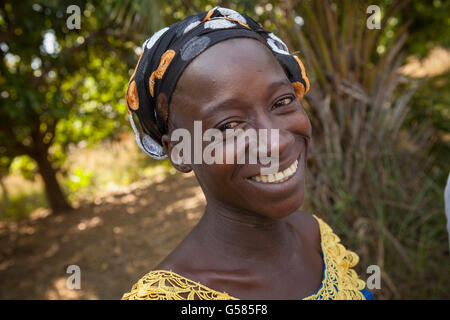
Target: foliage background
(379, 104)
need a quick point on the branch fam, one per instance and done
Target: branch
(51, 128)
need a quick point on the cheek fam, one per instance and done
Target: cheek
(214, 176)
(299, 123)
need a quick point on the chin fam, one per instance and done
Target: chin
(284, 208)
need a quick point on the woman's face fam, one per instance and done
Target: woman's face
(239, 84)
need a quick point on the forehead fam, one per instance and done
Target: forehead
(237, 68)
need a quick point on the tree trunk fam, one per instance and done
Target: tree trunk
(55, 196)
(5, 192)
(5, 197)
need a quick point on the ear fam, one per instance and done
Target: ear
(168, 147)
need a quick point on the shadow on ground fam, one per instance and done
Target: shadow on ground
(114, 241)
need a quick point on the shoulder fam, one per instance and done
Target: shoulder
(168, 285)
(171, 278)
(147, 288)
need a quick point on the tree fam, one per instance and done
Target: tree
(45, 71)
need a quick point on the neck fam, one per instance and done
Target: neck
(240, 234)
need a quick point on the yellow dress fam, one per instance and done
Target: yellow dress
(339, 281)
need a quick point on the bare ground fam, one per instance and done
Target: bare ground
(114, 241)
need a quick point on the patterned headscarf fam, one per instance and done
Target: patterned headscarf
(170, 50)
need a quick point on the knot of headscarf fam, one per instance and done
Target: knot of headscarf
(169, 51)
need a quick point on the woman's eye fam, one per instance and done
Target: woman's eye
(228, 125)
(283, 102)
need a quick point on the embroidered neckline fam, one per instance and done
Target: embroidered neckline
(168, 285)
(339, 280)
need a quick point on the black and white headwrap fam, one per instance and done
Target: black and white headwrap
(170, 50)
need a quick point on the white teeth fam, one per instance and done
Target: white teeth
(288, 172)
(279, 176)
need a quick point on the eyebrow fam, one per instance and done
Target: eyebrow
(271, 86)
(279, 83)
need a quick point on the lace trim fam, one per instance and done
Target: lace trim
(340, 282)
(168, 285)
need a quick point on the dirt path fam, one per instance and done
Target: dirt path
(114, 241)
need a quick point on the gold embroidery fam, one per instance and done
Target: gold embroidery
(132, 96)
(167, 285)
(164, 63)
(339, 282)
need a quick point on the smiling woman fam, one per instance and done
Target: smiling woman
(223, 69)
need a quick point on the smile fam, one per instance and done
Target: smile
(278, 177)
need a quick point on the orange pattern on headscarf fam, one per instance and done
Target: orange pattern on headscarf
(162, 106)
(302, 68)
(137, 65)
(208, 15)
(151, 84)
(299, 90)
(164, 63)
(235, 20)
(132, 96)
